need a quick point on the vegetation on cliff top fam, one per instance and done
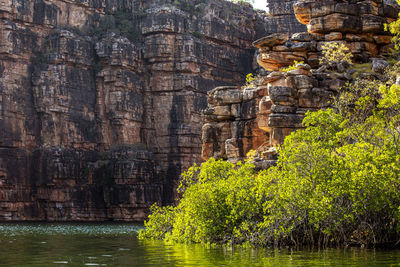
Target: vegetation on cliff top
(337, 182)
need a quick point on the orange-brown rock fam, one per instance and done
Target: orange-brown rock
(232, 135)
(357, 24)
(280, 110)
(100, 100)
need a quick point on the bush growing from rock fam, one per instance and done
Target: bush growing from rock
(292, 67)
(334, 53)
(394, 29)
(336, 183)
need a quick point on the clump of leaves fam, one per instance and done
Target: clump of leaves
(251, 80)
(219, 205)
(335, 53)
(394, 29)
(159, 224)
(243, 2)
(293, 66)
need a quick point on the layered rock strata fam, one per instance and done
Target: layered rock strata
(232, 122)
(100, 100)
(282, 17)
(357, 24)
(286, 96)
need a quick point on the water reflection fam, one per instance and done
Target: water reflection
(117, 245)
(194, 255)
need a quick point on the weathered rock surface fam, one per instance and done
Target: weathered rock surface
(283, 19)
(236, 120)
(285, 97)
(357, 24)
(232, 117)
(98, 126)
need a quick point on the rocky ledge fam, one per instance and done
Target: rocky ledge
(236, 124)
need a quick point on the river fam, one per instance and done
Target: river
(44, 244)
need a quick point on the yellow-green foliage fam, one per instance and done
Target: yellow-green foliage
(394, 29)
(336, 182)
(243, 1)
(292, 67)
(334, 52)
(393, 73)
(337, 178)
(159, 224)
(250, 78)
(218, 205)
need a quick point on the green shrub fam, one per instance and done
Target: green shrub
(250, 79)
(394, 29)
(243, 2)
(219, 205)
(159, 224)
(336, 183)
(335, 53)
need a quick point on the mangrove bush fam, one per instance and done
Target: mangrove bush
(336, 182)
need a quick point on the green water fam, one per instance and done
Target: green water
(117, 245)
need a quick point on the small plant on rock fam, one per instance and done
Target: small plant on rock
(251, 80)
(292, 67)
(243, 2)
(335, 53)
(394, 29)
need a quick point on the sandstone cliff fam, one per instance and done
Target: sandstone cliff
(261, 115)
(100, 100)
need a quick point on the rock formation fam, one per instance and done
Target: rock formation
(285, 97)
(231, 117)
(283, 19)
(100, 100)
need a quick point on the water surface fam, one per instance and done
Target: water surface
(35, 244)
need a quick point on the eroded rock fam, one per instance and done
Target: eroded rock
(98, 120)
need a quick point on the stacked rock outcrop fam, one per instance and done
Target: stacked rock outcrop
(231, 126)
(359, 25)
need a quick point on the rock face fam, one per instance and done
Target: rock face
(231, 117)
(285, 97)
(96, 125)
(236, 120)
(357, 24)
(283, 19)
